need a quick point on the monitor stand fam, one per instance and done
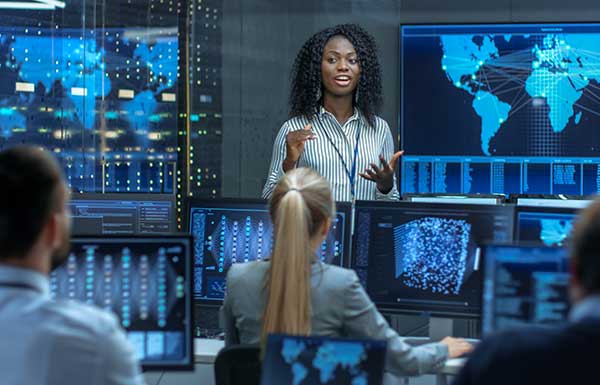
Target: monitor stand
(440, 328)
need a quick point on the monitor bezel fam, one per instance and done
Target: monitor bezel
(430, 311)
(189, 303)
(140, 197)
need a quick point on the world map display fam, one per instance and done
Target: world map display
(327, 358)
(498, 83)
(315, 360)
(561, 67)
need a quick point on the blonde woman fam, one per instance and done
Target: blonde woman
(295, 293)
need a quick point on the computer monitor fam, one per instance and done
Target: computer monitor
(146, 281)
(424, 258)
(549, 226)
(499, 108)
(524, 285)
(321, 360)
(122, 214)
(228, 231)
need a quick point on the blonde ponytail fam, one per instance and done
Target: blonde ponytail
(300, 204)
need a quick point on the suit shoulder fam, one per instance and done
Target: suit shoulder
(246, 271)
(338, 276)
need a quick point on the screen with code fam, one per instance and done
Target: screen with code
(122, 214)
(524, 285)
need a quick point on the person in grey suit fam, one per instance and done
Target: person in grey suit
(295, 293)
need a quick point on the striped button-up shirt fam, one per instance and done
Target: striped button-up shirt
(320, 154)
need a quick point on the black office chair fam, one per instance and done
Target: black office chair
(238, 365)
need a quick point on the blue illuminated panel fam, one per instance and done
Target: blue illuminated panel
(524, 285)
(104, 101)
(240, 232)
(519, 98)
(144, 281)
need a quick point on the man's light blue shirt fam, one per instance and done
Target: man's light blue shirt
(48, 342)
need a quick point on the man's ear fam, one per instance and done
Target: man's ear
(52, 231)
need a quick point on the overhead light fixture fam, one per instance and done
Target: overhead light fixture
(41, 5)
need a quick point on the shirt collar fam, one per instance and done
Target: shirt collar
(589, 307)
(26, 277)
(355, 114)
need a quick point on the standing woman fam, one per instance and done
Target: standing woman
(293, 292)
(334, 129)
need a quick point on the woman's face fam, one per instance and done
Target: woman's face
(340, 70)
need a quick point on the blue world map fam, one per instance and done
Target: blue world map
(328, 359)
(559, 68)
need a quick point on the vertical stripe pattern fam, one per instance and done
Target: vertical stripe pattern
(320, 154)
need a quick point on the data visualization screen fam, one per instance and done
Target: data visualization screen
(122, 214)
(236, 231)
(500, 108)
(146, 282)
(425, 258)
(524, 285)
(549, 226)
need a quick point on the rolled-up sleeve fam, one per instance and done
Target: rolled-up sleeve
(363, 320)
(122, 367)
(276, 169)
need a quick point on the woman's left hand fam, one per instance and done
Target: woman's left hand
(384, 175)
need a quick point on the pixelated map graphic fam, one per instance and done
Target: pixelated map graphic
(434, 254)
(557, 70)
(329, 357)
(555, 231)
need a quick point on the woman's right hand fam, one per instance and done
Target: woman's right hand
(456, 346)
(294, 142)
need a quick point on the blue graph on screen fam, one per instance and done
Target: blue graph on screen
(516, 108)
(103, 100)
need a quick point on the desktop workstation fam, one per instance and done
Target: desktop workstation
(149, 150)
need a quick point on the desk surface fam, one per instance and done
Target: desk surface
(205, 352)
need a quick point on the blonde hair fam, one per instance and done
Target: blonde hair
(300, 204)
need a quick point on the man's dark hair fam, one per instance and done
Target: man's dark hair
(30, 191)
(306, 73)
(585, 248)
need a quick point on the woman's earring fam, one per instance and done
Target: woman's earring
(319, 95)
(356, 96)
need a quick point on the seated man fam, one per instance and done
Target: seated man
(47, 342)
(551, 355)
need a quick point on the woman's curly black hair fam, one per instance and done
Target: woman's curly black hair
(306, 73)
